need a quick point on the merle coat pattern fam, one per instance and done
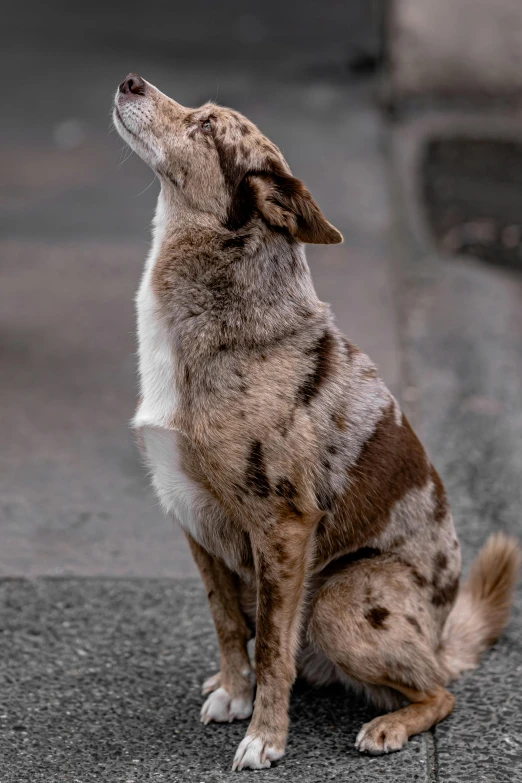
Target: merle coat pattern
(316, 520)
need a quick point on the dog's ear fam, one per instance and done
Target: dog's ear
(284, 202)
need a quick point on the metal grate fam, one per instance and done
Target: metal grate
(472, 190)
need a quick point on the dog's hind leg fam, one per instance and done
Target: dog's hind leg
(378, 626)
(392, 731)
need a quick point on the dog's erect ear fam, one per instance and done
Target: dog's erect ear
(285, 202)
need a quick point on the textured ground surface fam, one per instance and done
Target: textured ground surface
(102, 679)
(100, 665)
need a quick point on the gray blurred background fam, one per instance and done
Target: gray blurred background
(75, 220)
(405, 121)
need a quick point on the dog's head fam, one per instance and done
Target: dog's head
(215, 161)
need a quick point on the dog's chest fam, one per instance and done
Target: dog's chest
(155, 416)
(195, 509)
(159, 395)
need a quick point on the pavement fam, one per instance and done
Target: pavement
(105, 636)
(102, 679)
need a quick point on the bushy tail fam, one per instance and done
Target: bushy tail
(482, 607)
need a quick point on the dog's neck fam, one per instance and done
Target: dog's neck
(221, 290)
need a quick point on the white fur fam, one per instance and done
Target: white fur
(397, 412)
(211, 684)
(179, 495)
(252, 753)
(222, 708)
(136, 124)
(155, 348)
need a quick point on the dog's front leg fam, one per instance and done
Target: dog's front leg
(233, 688)
(281, 559)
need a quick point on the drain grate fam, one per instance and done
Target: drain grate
(472, 190)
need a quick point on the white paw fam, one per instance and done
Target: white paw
(381, 736)
(254, 753)
(211, 684)
(222, 708)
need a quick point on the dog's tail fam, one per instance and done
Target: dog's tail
(482, 607)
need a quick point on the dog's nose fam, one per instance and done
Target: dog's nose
(133, 84)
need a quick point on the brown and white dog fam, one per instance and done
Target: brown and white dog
(316, 520)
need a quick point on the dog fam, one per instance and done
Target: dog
(315, 518)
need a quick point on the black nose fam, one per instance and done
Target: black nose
(133, 83)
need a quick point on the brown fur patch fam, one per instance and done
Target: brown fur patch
(418, 578)
(440, 500)
(285, 203)
(414, 623)
(285, 489)
(391, 462)
(242, 206)
(350, 349)
(236, 241)
(321, 354)
(255, 475)
(441, 561)
(339, 420)
(445, 594)
(376, 616)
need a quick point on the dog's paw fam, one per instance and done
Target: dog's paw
(255, 753)
(222, 708)
(211, 684)
(381, 735)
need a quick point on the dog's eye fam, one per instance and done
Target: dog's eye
(206, 126)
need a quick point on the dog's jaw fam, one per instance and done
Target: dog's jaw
(133, 119)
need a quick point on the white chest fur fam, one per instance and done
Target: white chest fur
(156, 360)
(178, 494)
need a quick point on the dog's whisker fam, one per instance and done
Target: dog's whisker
(148, 186)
